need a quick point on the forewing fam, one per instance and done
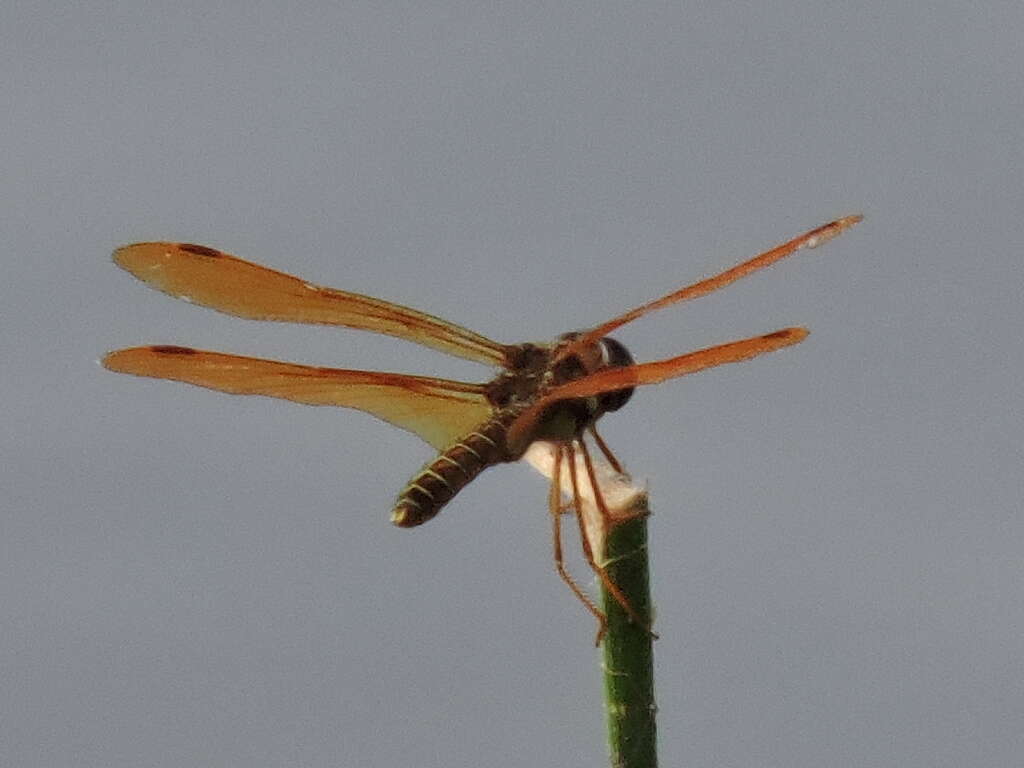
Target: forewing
(612, 379)
(226, 283)
(811, 239)
(437, 410)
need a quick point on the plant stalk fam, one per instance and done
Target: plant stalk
(628, 648)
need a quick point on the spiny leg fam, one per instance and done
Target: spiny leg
(606, 450)
(602, 506)
(556, 508)
(588, 551)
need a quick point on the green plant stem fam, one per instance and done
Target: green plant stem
(628, 651)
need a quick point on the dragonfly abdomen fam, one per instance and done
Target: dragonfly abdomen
(438, 482)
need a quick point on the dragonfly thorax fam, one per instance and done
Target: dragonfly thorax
(566, 419)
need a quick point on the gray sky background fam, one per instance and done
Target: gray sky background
(188, 578)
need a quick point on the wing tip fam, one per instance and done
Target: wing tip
(112, 360)
(124, 360)
(794, 334)
(130, 359)
(786, 337)
(833, 229)
(135, 256)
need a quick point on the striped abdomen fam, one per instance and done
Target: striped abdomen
(449, 473)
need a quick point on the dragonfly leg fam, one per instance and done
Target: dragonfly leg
(557, 509)
(588, 552)
(616, 465)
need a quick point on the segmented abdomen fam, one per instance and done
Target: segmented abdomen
(449, 473)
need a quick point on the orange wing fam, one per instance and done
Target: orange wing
(611, 379)
(811, 239)
(437, 410)
(226, 283)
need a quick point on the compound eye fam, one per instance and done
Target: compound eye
(615, 356)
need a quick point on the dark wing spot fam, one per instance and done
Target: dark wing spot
(201, 250)
(169, 349)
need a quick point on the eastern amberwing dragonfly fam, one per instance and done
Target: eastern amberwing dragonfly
(554, 391)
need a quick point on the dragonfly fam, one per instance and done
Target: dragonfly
(552, 391)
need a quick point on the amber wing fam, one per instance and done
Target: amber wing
(438, 410)
(612, 379)
(811, 239)
(226, 283)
